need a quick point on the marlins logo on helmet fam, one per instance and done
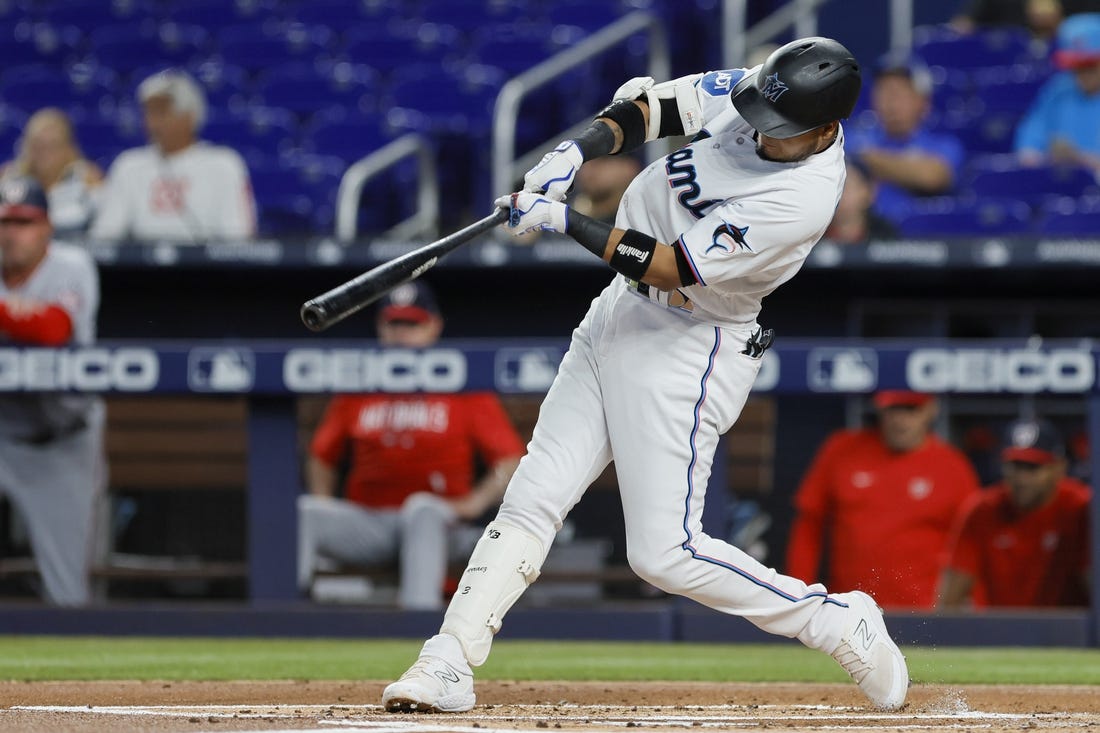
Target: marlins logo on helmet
(773, 88)
(728, 238)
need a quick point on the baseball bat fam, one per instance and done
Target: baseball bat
(362, 290)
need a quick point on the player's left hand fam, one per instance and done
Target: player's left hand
(528, 212)
(554, 174)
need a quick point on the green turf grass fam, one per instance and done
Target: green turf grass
(85, 658)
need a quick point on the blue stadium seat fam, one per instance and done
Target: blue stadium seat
(34, 86)
(455, 101)
(11, 127)
(982, 134)
(1004, 177)
(227, 86)
(103, 139)
(340, 14)
(256, 48)
(252, 131)
(994, 47)
(26, 43)
(309, 88)
(470, 15)
(126, 47)
(87, 15)
(282, 200)
(1071, 216)
(585, 14)
(214, 15)
(946, 216)
(517, 49)
(347, 138)
(1009, 88)
(389, 48)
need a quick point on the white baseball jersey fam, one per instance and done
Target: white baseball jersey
(197, 195)
(745, 224)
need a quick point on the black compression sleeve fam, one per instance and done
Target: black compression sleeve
(683, 268)
(630, 119)
(592, 234)
(596, 140)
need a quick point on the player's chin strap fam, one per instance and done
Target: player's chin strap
(505, 561)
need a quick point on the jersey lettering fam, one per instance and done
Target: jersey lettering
(681, 174)
(719, 83)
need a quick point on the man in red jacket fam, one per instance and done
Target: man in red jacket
(878, 503)
(410, 492)
(1024, 541)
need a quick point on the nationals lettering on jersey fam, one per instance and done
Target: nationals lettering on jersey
(745, 224)
(432, 417)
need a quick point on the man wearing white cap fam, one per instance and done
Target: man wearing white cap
(178, 188)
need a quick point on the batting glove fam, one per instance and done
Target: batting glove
(529, 212)
(554, 174)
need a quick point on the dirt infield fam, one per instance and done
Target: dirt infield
(509, 706)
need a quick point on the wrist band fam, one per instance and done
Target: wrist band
(633, 253)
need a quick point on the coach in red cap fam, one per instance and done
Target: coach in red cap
(51, 444)
(1024, 541)
(878, 502)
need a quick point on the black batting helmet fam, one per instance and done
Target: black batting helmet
(802, 85)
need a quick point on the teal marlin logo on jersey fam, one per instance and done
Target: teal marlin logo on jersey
(773, 88)
(728, 238)
(681, 174)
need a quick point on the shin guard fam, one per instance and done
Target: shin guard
(505, 561)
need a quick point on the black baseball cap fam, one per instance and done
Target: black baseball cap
(411, 301)
(1032, 441)
(22, 198)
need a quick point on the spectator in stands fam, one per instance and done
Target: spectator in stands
(1024, 541)
(855, 220)
(879, 503)
(178, 188)
(1061, 125)
(600, 186)
(1041, 17)
(904, 157)
(48, 152)
(410, 493)
(51, 444)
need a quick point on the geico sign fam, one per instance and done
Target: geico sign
(1000, 370)
(364, 370)
(86, 370)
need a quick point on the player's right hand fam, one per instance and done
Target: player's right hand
(530, 212)
(554, 174)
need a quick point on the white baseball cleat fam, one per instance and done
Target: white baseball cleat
(433, 684)
(869, 655)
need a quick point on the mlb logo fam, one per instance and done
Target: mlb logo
(842, 370)
(526, 370)
(228, 369)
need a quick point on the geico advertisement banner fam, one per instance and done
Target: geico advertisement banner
(511, 367)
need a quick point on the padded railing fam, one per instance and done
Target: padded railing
(424, 222)
(507, 167)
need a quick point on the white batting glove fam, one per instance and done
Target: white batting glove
(554, 174)
(529, 212)
(633, 88)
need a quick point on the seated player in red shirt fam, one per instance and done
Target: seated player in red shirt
(1024, 541)
(878, 504)
(410, 491)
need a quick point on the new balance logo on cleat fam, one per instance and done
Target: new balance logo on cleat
(865, 636)
(447, 675)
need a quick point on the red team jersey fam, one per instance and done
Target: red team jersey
(403, 444)
(1038, 558)
(888, 516)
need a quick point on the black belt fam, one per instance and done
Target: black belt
(638, 286)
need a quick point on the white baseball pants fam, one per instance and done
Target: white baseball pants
(653, 389)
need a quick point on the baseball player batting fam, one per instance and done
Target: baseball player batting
(663, 362)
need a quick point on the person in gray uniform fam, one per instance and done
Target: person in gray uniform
(52, 466)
